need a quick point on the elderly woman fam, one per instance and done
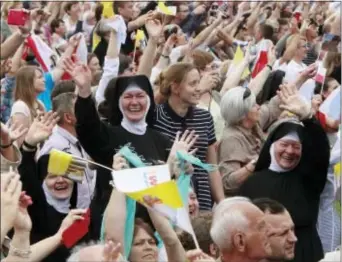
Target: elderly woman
(243, 135)
(292, 169)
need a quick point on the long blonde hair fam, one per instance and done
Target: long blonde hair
(25, 90)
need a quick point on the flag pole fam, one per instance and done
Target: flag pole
(94, 163)
(134, 51)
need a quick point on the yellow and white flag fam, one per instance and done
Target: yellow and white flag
(166, 10)
(155, 181)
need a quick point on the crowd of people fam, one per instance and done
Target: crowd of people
(248, 87)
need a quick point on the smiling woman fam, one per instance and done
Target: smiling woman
(180, 84)
(58, 187)
(292, 170)
(144, 247)
(29, 84)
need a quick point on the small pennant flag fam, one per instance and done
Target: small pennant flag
(298, 13)
(96, 40)
(262, 59)
(166, 10)
(71, 166)
(337, 169)
(42, 52)
(332, 105)
(320, 76)
(167, 193)
(108, 11)
(238, 58)
(64, 164)
(81, 53)
(140, 35)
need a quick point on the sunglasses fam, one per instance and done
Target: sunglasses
(247, 93)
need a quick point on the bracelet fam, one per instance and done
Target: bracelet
(19, 253)
(6, 146)
(270, 67)
(165, 56)
(28, 146)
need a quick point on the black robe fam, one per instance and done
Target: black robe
(299, 189)
(46, 220)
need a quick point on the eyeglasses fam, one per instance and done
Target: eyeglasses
(247, 93)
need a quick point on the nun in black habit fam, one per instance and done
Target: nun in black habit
(128, 110)
(292, 169)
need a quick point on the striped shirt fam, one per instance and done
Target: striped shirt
(200, 120)
(311, 55)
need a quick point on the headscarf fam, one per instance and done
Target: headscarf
(110, 107)
(61, 205)
(280, 131)
(137, 128)
(274, 166)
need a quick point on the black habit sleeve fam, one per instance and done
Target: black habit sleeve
(316, 155)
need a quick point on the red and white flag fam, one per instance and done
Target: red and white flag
(320, 76)
(298, 13)
(42, 52)
(262, 59)
(80, 55)
(81, 50)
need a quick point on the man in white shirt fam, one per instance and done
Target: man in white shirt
(64, 138)
(240, 231)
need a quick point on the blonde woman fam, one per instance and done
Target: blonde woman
(29, 84)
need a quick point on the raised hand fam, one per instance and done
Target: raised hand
(9, 135)
(111, 252)
(75, 39)
(81, 74)
(316, 102)
(10, 194)
(170, 43)
(73, 215)
(293, 102)
(309, 72)
(209, 81)
(271, 55)
(26, 29)
(119, 162)
(184, 143)
(175, 168)
(200, 9)
(151, 201)
(41, 128)
(154, 28)
(198, 256)
(23, 221)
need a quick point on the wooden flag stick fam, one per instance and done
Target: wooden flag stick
(94, 163)
(195, 241)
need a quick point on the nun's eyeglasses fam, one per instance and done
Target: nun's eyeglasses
(247, 93)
